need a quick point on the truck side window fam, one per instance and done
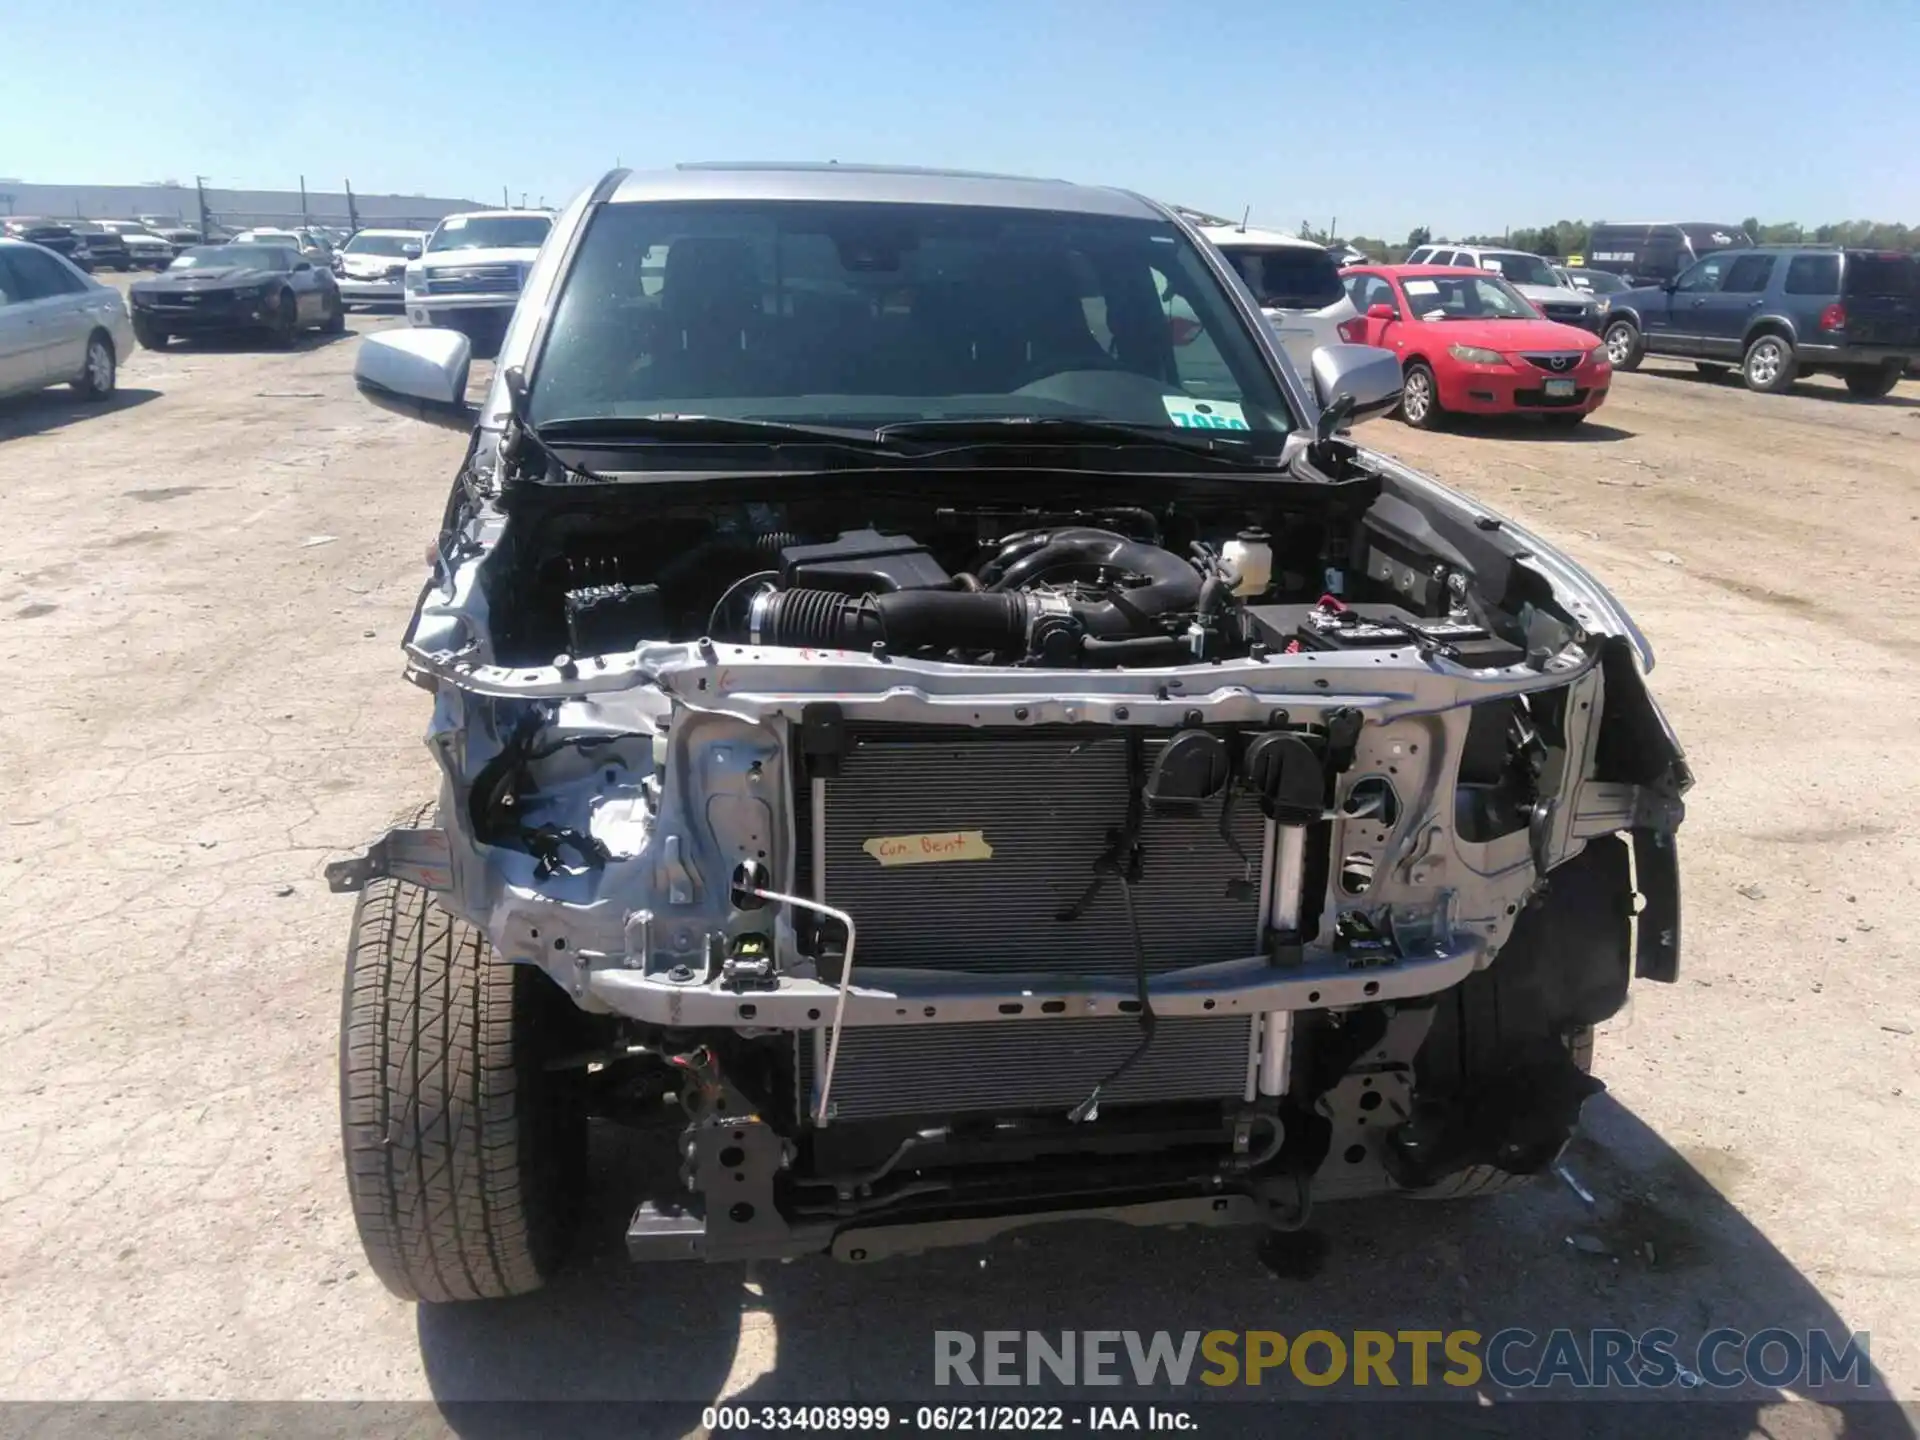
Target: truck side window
(1813, 275)
(1749, 275)
(1703, 276)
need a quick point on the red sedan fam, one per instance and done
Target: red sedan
(1469, 344)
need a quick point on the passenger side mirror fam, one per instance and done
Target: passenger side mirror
(1363, 381)
(410, 252)
(1381, 311)
(419, 373)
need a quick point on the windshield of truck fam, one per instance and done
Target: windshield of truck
(1521, 269)
(866, 314)
(488, 232)
(1465, 297)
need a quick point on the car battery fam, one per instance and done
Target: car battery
(1343, 625)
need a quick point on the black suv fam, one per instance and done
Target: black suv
(109, 251)
(49, 235)
(1779, 312)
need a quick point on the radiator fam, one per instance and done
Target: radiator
(1001, 1066)
(1041, 804)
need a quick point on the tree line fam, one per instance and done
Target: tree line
(1569, 237)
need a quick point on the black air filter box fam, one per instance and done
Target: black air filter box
(862, 562)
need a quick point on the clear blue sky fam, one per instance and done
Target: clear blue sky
(1466, 116)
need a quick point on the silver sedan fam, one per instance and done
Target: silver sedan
(371, 264)
(58, 326)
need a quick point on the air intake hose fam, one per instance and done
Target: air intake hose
(996, 619)
(904, 620)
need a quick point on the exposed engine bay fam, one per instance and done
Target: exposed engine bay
(1086, 587)
(953, 850)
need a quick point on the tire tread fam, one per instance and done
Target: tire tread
(433, 1104)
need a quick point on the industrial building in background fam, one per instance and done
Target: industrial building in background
(199, 205)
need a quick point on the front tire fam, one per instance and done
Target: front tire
(1769, 367)
(1626, 347)
(150, 335)
(1874, 383)
(336, 321)
(1420, 398)
(465, 1157)
(100, 371)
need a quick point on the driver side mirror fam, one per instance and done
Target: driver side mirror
(1363, 379)
(418, 373)
(1382, 311)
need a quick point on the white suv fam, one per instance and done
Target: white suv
(1532, 276)
(1296, 282)
(469, 277)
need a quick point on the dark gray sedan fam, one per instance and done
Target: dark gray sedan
(225, 289)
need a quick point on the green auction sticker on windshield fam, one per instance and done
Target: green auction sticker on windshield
(1191, 414)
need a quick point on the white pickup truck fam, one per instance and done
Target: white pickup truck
(469, 276)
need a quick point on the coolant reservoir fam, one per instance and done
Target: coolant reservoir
(1251, 555)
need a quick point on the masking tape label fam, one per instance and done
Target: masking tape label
(942, 846)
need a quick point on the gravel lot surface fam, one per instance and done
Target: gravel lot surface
(202, 589)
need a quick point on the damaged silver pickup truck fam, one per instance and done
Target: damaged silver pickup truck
(935, 712)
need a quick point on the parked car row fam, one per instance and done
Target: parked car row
(1698, 291)
(60, 326)
(103, 244)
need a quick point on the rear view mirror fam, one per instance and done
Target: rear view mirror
(420, 373)
(1382, 312)
(1363, 379)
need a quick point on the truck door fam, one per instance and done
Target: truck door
(1718, 318)
(1674, 328)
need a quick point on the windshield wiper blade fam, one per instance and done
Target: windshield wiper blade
(615, 429)
(1051, 429)
(522, 433)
